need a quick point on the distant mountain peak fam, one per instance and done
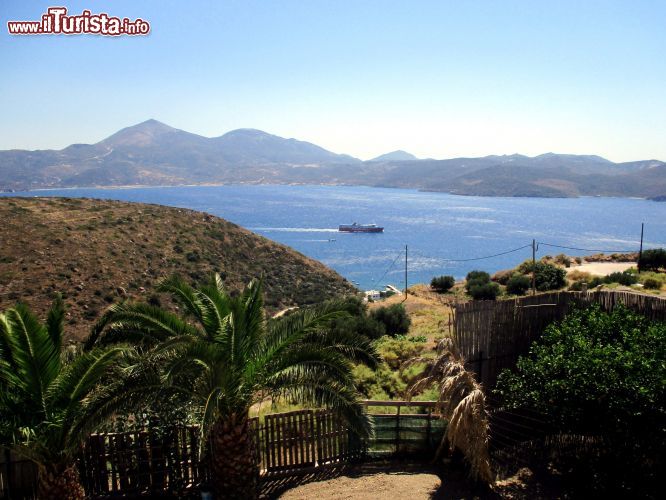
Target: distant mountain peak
(398, 155)
(152, 125)
(141, 134)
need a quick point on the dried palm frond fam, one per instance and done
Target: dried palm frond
(461, 401)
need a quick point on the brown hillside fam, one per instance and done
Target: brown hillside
(98, 252)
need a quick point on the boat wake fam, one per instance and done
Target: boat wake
(294, 229)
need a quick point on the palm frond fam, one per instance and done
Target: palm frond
(287, 331)
(183, 293)
(35, 357)
(54, 322)
(138, 323)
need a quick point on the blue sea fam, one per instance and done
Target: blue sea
(441, 231)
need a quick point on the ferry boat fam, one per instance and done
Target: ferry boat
(360, 228)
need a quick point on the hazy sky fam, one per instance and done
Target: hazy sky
(438, 79)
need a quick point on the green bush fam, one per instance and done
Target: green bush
(484, 291)
(603, 374)
(596, 281)
(476, 278)
(652, 284)
(546, 276)
(394, 318)
(624, 278)
(652, 260)
(395, 352)
(358, 322)
(518, 284)
(442, 284)
(591, 365)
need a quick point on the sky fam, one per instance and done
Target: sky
(439, 79)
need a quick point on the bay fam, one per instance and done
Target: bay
(441, 231)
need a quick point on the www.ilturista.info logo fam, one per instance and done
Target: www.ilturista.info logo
(57, 22)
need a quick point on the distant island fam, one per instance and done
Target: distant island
(152, 153)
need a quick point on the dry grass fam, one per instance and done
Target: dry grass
(430, 312)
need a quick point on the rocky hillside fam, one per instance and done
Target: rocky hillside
(98, 252)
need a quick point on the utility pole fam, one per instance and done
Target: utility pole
(405, 272)
(533, 267)
(640, 251)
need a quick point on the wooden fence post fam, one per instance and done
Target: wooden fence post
(428, 427)
(397, 431)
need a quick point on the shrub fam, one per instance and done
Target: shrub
(502, 277)
(596, 281)
(394, 318)
(562, 260)
(580, 276)
(546, 276)
(476, 276)
(623, 278)
(484, 291)
(599, 373)
(395, 351)
(358, 322)
(518, 284)
(652, 260)
(442, 284)
(652, 284)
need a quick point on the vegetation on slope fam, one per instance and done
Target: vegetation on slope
(98, 252)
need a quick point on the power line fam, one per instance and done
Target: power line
(489, 256)
(387, 270)
(585, 249)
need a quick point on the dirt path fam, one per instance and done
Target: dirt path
(421, 482)
(602, 268)
(381, 485)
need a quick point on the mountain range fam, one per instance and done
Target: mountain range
(152, 153)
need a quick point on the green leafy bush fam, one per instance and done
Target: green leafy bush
(479, 286)
(598, 373)
(394, 318)
(624, 278)
(652, 284)
(546, 276)
(442, 284)
(476, 278)
(518, 284)
(358, 322)
(484, 291)
(652, 260)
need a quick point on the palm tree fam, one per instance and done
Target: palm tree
(49, 399)
(227, 356)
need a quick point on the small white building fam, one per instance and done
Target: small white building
(372, 295)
